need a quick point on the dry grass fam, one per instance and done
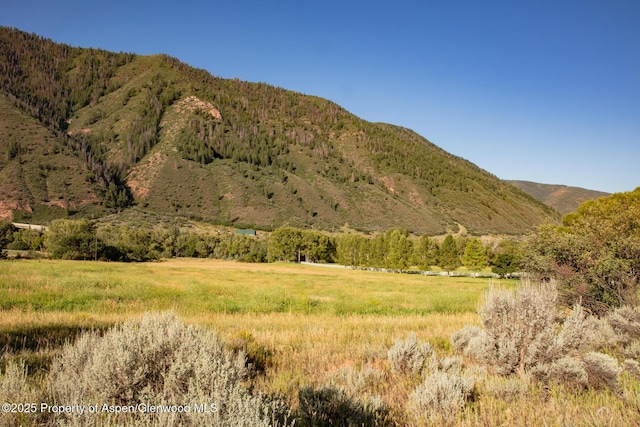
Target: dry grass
(313, 348)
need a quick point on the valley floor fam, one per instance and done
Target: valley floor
(304, 326)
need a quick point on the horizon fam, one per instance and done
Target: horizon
(545, 93)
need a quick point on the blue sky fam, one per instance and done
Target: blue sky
(546, 91)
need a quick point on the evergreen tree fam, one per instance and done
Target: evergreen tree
(399, 249)
(475, 255)
(426, 252)
(448, 256)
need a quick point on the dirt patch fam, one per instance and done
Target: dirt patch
(389, 184)
(140, 177)
(7, 207)
(192, 103)
(79, 131)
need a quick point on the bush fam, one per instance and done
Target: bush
(441, 396)
(602, 370)
(72, 239)
(159, 360)
(632, 367)
(461, 338)
(518, 326)
(409, 356)
(625, 322)
(525, 334)
(14, 388)
(566, 370)
(594, 255)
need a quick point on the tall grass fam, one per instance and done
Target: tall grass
(314, 332)
(196, 286)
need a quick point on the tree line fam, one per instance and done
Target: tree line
(394, 249)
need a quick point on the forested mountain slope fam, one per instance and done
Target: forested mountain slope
(88, 132)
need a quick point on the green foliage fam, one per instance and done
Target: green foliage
(426, 252)
(448, 255)
(26, 240)
(126, 243)
(14, 150)
(287, 158)
(505, 264)
(117, 197)
(285, 244)
(393, 249)
(195, 143)
(295, 245)
(399, 249)
(595, 255)
(475, 255)
(72, 239)
(6, 233)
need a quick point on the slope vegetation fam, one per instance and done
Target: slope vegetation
(563, 198)
(153, 132)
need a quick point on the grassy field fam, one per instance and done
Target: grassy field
(312, 326)
(196, 287)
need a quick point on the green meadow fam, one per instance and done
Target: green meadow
(192, 287)
(307, 326)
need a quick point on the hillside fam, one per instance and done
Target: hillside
(563, 198)
(87, 132)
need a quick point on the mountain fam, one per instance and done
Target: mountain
(86, 132)
(563, 198)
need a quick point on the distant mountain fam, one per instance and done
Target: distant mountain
(563, 198)
(87, 132)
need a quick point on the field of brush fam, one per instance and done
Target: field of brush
(307, 326)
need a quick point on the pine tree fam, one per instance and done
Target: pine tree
(475, 255)
(448, 255)
(426, 252)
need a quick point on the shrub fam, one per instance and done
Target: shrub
(625, 322)
(258, 357)
(525, 334)
(72, 239)
(450, 364)
(441, 396)
(633, 350)
(566, 370)
(632, 367)
(602, 370)
(409, 356)
(15, 388)
(159, 360)
(460, 339)
(523, 329)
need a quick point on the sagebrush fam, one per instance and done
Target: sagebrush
(525, 333)
(153, 361)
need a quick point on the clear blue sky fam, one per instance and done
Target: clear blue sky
(546, 91)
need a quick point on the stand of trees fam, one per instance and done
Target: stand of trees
(594, 255)
(395, 249)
